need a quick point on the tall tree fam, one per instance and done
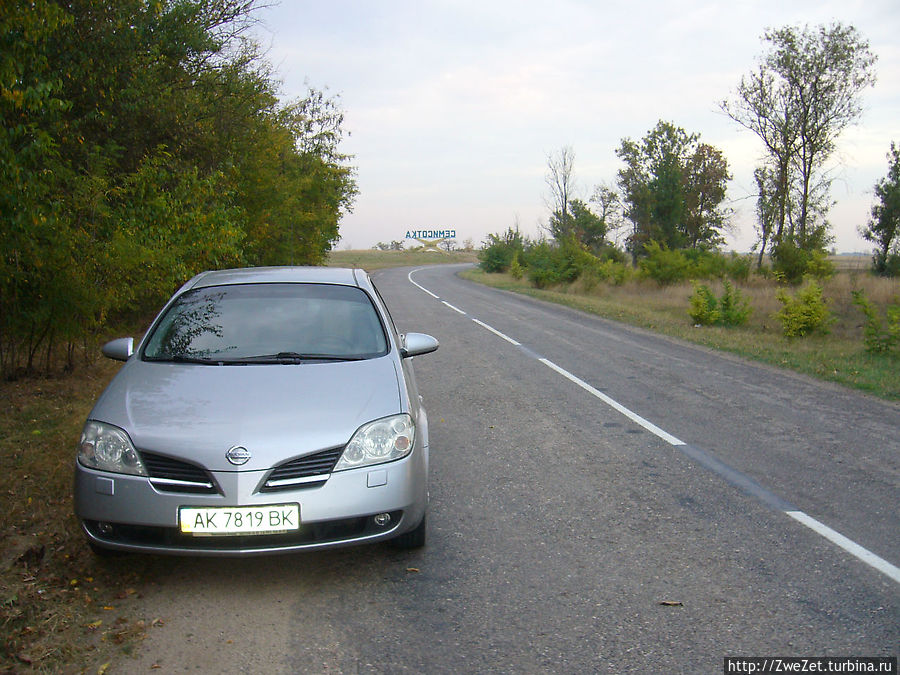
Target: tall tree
(560, 181)
(883, 229)
(804, 92)
(672, 187)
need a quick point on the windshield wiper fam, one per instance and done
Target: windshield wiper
(294, 357)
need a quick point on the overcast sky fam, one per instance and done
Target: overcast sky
(453, 106)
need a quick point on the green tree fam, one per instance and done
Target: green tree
(804, 92)
(141, 142)
(581, 223)
(883, 229)
(672, 188)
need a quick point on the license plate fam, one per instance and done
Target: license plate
(267, 519)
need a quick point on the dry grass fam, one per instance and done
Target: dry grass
(839, 356)
(59, 605)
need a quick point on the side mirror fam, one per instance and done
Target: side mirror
(416, 344)
(119, 350)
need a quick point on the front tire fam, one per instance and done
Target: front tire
(415, 538)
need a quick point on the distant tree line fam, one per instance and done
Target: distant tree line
(669, 198)
(141, 142)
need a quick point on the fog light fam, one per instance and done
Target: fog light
(382, 519)
(105, 529)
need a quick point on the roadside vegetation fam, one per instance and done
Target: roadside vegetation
(647, 248)
(818, 328)
(62, 609)
(141, 143)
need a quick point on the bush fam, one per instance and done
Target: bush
(616, 273)
(704, 307)
(735, 309)
(610, 253)
(805, 313)
(878, 337)
(548, 265)
(665, 266)
(500, 250)
(791, 264)
(738, 267)
(887, 265)
(732, 309)
(515, 267)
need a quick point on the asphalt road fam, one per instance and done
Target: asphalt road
(602, 501)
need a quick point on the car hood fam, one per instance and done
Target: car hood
(277, 412)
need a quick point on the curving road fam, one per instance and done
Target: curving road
(603, 500)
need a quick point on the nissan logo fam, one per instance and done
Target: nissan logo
(238, 455)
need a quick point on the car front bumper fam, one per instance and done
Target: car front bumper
(128, 513)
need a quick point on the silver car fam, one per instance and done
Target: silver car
(266, 410)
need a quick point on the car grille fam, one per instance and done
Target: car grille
(309, 471)
(173, 475)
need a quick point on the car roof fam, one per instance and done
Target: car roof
(270, 275)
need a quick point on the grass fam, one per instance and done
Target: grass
(59, 604)
(839, 356)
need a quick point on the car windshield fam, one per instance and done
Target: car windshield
(268, 323)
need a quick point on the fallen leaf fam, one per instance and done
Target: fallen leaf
(412, 569)
(155, 666)
(156, 623)
(94, 625)
(102, 669)
(671, 603)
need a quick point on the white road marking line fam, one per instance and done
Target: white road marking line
(634, 417)
(421, 288)
(848, 545)
(497, 332)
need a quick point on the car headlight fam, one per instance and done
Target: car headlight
(108, 448)
(380, 441)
